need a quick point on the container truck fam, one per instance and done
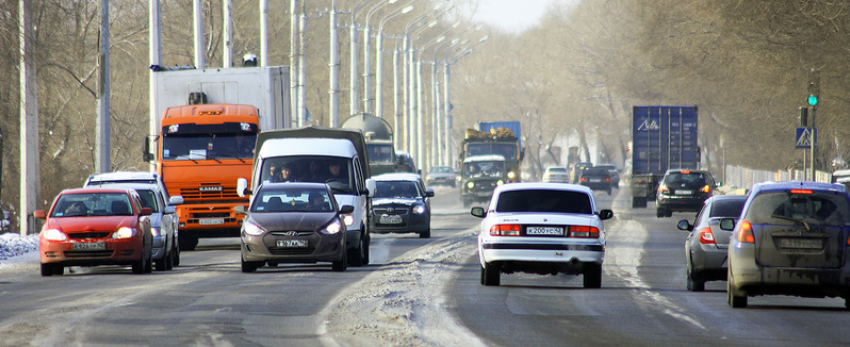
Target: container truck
(206, 137)
(663, 137)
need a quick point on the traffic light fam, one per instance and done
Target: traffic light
(804, 117)
(814, 87)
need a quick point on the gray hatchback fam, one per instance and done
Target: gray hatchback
(706, 246)
(791, 239)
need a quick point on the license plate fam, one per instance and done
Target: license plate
(211, 221)
(594, 180)
(90, 246)
(684, 192)
(544, 231)
(292, 243)
(801, 243)
(390, 219)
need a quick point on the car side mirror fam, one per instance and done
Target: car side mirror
(146, 211)
(169, 209)
(371, 187)
(685, 225)
(346, 209)
(606, 214)
(478, 212)
(175, 200)
(39, 214)
(242, 187)
(429, 192)
(727, 224)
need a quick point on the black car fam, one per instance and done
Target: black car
(293, 223)
(683, 190)
(595, 178)
(401, 204)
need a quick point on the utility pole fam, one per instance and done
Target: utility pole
(334, 67)
(814, 92)
(102, 137)
(30, 168)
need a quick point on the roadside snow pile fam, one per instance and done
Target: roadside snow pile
(398, 306)
(13, 245)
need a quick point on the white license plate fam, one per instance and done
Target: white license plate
(801, 243)
(90, 246)
(544, 231)
(391, 219)
(684, 192)
(594, 180)
(292, 243)
(211, 221)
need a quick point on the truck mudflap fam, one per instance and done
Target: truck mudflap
(643, 189)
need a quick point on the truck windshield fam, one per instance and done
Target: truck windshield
(484, 169)
(509, 151)
(337, 172)
(200, 142)
(380, 154)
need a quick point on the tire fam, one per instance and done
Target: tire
(609, 190)
(467, 203)
(162, 264)
(366, 253)
(149, 264)
(248, 267)
(175, 253)
(694, 283)
(734, 297)
(660, 213)
(847, 303)
(355, 255)
(139, 266)
(58, 270)
(592, 274)
(490, 275)
(425, 234)
(188, 243)
(46, 270)
(341, 264)
(169, 261)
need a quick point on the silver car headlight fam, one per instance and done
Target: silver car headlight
(155, 232)
(252, 228)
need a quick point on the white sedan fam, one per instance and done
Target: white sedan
(542, 228)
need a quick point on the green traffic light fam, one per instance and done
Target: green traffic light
(813, 100)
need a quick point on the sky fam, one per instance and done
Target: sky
(512, 15)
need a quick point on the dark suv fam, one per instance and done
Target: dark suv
(683, 190)
(595, 178)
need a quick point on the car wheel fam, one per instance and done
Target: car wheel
(249, 266)
(467, 203)
(46, 270)
(149, 264)
(735, 298)
(694, 283)
(490, 275)
(355, 255)
(175, 253)
(342, 263)
(847, 303)
(188, 243)
(425, 234)
(609, 190)
(58, 270)
(366, 253)
(139, 266)
(169, 261)
(161, 264)
(592, 275)
(660, 213)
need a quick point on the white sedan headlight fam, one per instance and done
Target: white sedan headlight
(124, 233)
(252, 228)
(55, 235)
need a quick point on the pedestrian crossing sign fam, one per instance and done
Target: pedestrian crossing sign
(805, 137)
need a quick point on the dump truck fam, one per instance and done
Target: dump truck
(496, 138)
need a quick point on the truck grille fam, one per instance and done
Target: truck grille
(197, 194)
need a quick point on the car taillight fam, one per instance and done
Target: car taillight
(801, 191)
(584, 231)
(505, 230)
(706, 237)
(705, 189)
(582, 179)
(663, 188)
(745, 233)
(607, 180)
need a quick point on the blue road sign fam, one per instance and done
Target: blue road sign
(805, 137)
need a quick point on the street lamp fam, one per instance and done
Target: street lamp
(379, 44)
(353, 102)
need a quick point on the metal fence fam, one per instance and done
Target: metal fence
(742, 177)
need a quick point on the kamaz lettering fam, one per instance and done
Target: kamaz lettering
(211, 189)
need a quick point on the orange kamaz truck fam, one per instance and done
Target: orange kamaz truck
(205, 140)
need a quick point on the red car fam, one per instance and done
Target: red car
(95, 226)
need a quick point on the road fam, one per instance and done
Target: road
(417, 292)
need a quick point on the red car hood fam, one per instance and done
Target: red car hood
(87, 224)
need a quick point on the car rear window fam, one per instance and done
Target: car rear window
(727, 208)
(785, 208)
(557, 169)
(595, 171)
(678, 177)
(549, 201)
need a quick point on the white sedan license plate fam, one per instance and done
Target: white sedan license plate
(390, 219)
(211, 221)
(91, 246)
(801, 243)
(548, 231)
(684, 192)
(292, 243)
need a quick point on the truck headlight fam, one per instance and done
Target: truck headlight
(511, 175)
(470, 184)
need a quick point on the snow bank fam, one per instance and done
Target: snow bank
(17, 249)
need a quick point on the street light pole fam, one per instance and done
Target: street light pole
(379, 61)
(334, 69)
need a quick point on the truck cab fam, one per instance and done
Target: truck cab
(335, 157)
(480, 175)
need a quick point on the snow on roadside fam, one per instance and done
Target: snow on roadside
(402, 303)
(16, 249)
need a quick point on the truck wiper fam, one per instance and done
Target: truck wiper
(795, 220)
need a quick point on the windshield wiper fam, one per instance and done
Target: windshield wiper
(793, 220)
